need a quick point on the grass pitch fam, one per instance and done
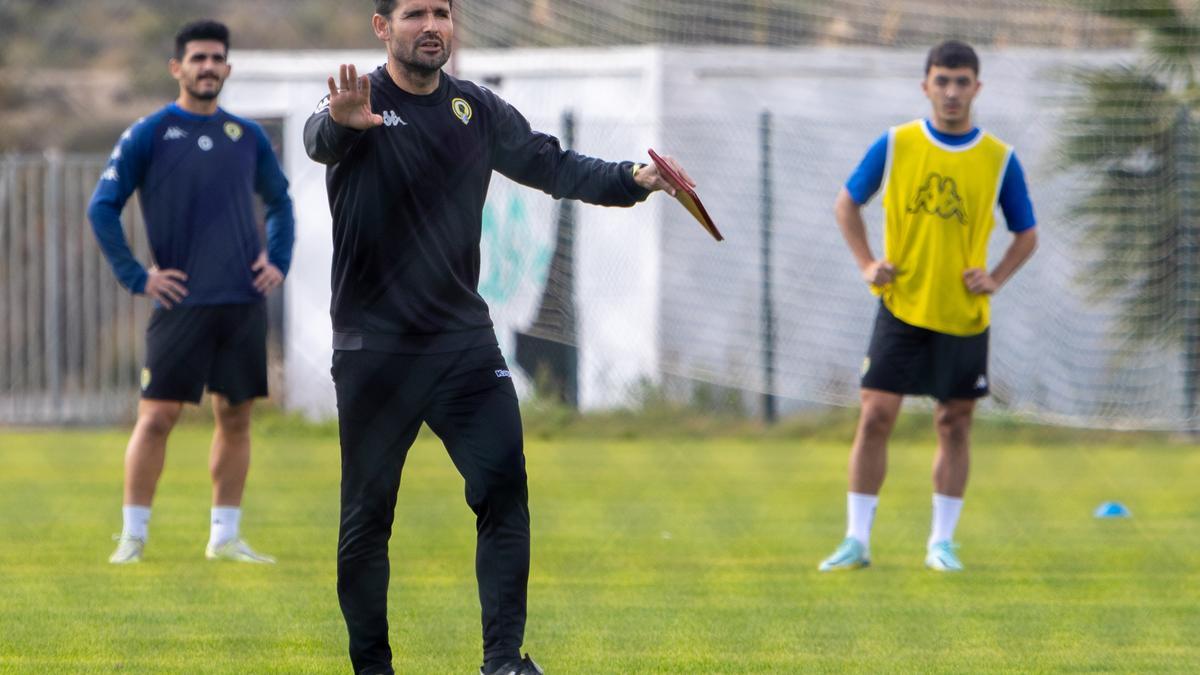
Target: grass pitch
(667, 554)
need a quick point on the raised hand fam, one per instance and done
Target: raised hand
(350, 100)
(650, 179)
(267, 277)
(165, 286)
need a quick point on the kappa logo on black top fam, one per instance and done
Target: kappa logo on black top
(391, 119)
(939, 196)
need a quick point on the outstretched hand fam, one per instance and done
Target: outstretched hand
(350, 100)
(649, 178)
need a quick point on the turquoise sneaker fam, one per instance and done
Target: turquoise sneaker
(942, 558)
(851, 555)
(237, 550)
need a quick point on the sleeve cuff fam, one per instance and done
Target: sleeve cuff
(139, 285)
(631, 186)
(343, 133)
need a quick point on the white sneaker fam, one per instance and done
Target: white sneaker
(237, 550)
(129, 550)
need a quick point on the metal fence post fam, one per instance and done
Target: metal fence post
(770, 413)
(52, 319)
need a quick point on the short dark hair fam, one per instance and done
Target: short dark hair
(205, 29)
(386, 7)
(952, 54)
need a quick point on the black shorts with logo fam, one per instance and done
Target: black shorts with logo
(907, 359)
(221, 346)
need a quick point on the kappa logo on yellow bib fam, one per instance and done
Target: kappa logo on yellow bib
(233, 130)
(462, 110)
(145, 378)
(939, 196)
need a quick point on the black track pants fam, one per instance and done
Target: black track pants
(467, 399)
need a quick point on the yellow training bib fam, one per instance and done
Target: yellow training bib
(939, 204)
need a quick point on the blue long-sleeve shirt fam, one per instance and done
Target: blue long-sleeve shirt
(195, 176)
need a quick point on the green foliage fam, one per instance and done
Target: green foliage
(670, 555)
(1134, 132)
(1172, 35)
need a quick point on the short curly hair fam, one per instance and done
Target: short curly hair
(201, 30)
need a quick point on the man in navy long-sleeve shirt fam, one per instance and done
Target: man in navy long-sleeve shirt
(410, 151)
(196, 168)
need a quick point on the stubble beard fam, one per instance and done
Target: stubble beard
(195, 92)
(419, 65)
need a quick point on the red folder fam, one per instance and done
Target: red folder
(686, 195)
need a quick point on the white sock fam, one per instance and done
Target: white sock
(225, 520)
(136, 521)
(860, 515)
(945, 517)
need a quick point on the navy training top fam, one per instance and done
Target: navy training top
(195, 175)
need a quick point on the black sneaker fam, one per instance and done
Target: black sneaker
(525, 666)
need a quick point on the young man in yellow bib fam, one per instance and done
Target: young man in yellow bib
(942, 181)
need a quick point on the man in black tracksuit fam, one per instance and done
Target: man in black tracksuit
(410, 152)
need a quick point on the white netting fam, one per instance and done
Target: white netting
(545, 23)
(1093, 331)
(1097, 329)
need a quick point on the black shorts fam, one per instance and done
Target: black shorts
(222, 346)
(906, 359)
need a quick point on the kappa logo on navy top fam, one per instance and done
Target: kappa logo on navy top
(391, 119)
(174, 134)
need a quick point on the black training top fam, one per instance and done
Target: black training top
(407, 201)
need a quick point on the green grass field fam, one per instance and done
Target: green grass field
(676, 552)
